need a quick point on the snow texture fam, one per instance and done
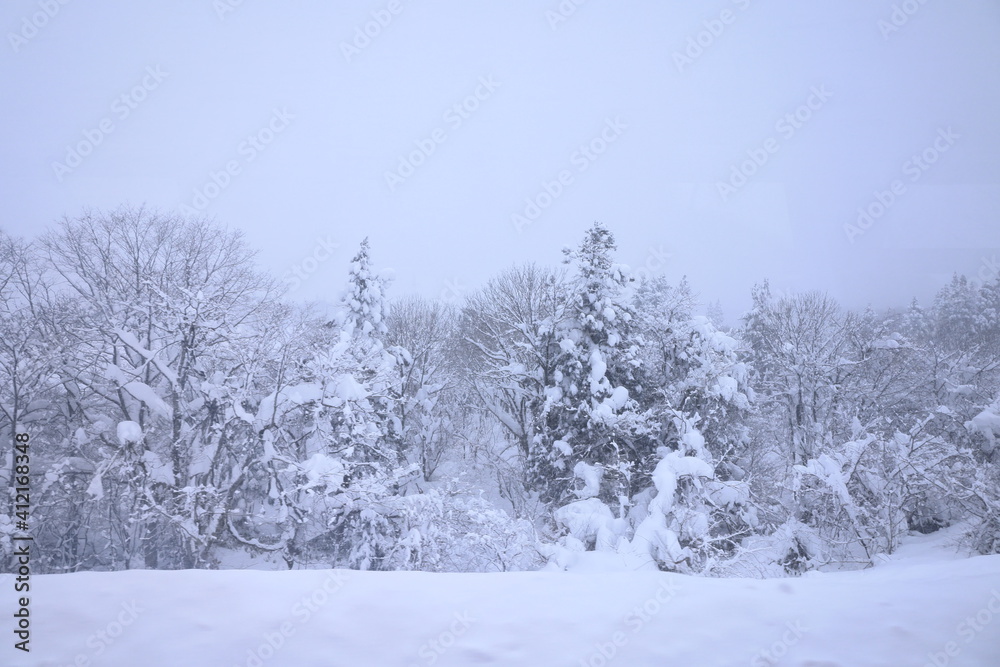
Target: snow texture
(591, 477)
(905, 612)
(129, 432)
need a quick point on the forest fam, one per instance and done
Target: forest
(185, 413)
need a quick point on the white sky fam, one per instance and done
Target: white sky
(448, 226)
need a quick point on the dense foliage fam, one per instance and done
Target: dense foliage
(184, 414)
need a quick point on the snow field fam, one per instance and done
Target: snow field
(907, 612)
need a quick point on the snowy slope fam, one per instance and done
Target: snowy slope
(908, 611)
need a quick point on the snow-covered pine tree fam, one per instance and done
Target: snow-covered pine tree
(693, 505)
(354, 467)
(589, 415)
(363, 304)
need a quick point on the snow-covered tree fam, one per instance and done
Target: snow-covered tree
(161, 300)
(363, 305)
(797, 349)
(182, 411)
(589, 414)
(689, 519)
(688, 365)
(331, 440)
(508, 354)
(676, 502)
(430, 401)
(32, 349)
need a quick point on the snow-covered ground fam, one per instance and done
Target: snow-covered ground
(924, 606)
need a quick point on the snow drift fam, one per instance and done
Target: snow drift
(902, 613)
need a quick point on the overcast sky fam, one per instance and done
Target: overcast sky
(682, 109)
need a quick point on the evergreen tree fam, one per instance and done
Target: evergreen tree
(364, 302)
(589, 415)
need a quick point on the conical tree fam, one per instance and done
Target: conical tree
(589, 415)
(364, 301)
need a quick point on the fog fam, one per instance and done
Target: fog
(848, 147)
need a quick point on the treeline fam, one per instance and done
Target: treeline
(184, 414)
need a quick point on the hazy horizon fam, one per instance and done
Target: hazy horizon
(292, 126)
